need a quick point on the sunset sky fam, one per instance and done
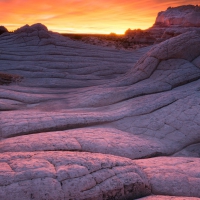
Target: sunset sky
(85, 16)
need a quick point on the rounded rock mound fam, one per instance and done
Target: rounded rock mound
(3, 30)
(32, 28)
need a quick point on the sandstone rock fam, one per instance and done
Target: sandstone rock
(168, 24)
(32, 28)
(9, 78)
(172, 176)
(75, 125)
(184, 16)
(69, 175)
(190, 151)
(3, 30)
(157, 197)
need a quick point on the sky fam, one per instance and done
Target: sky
(85, 16)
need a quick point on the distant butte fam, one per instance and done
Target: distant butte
(85, 122)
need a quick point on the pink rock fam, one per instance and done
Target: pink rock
(168, 24)
(94, 123)
(184, 16)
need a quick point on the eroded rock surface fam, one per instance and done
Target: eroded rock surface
(85, 121)
(69, 175)
(9, 78)
(184, 16)
(190, 151)
(159, 197)
(172, 176)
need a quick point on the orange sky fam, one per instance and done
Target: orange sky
(85, 16)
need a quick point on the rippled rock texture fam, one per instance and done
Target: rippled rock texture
(84, 122)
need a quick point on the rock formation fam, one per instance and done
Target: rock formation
(3, 30)
(112, 40)
(182, 16)
(169, 23)
(94, 123)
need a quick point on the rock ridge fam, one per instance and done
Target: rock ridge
(170, 23)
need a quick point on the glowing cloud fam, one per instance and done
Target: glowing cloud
(85, 16)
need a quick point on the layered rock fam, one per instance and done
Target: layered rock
(159, 197)
(9, 78)
(168, 24)
(94, 123)
(70, 175)
(172, 176)
(182, 16)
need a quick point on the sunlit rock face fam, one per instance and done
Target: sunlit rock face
(182, 16)
(168, 24)
(84, 122)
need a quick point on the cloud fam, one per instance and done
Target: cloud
(85, 15)
(7, 1)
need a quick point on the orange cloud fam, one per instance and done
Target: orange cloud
(86, 16)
